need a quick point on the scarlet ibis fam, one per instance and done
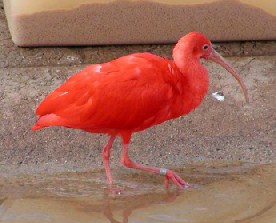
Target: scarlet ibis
(132, 93)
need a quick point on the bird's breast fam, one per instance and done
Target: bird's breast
(192, 89)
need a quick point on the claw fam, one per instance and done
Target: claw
(170, 175)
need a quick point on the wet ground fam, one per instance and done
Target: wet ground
(220, 192)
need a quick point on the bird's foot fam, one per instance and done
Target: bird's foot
(170, 175)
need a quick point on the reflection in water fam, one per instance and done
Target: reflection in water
(135, 204)
(236, 193)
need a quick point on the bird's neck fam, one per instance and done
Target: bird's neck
(192, 84)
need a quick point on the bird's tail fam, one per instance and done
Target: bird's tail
(36, 127)
(46, 121)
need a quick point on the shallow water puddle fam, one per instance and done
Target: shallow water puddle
(237, 192)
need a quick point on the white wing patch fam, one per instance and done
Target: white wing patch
(98, 68)
(131, 59)
(170, 67)
(64, 93)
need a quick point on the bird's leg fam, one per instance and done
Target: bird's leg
(169, 175)
(106, 155)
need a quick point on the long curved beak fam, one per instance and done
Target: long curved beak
(217, 58)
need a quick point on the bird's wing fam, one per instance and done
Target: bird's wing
(75, 92)
(133, 91)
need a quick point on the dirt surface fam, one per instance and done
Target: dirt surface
(228, 130)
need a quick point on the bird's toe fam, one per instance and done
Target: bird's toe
(177, 180)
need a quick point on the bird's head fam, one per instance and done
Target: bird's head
(195, 46)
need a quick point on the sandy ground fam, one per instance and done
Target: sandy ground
(228, 130)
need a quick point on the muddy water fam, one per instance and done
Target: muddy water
(221, 192)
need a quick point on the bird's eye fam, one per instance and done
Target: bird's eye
(205, 47)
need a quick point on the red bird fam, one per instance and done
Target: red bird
(132, 93)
